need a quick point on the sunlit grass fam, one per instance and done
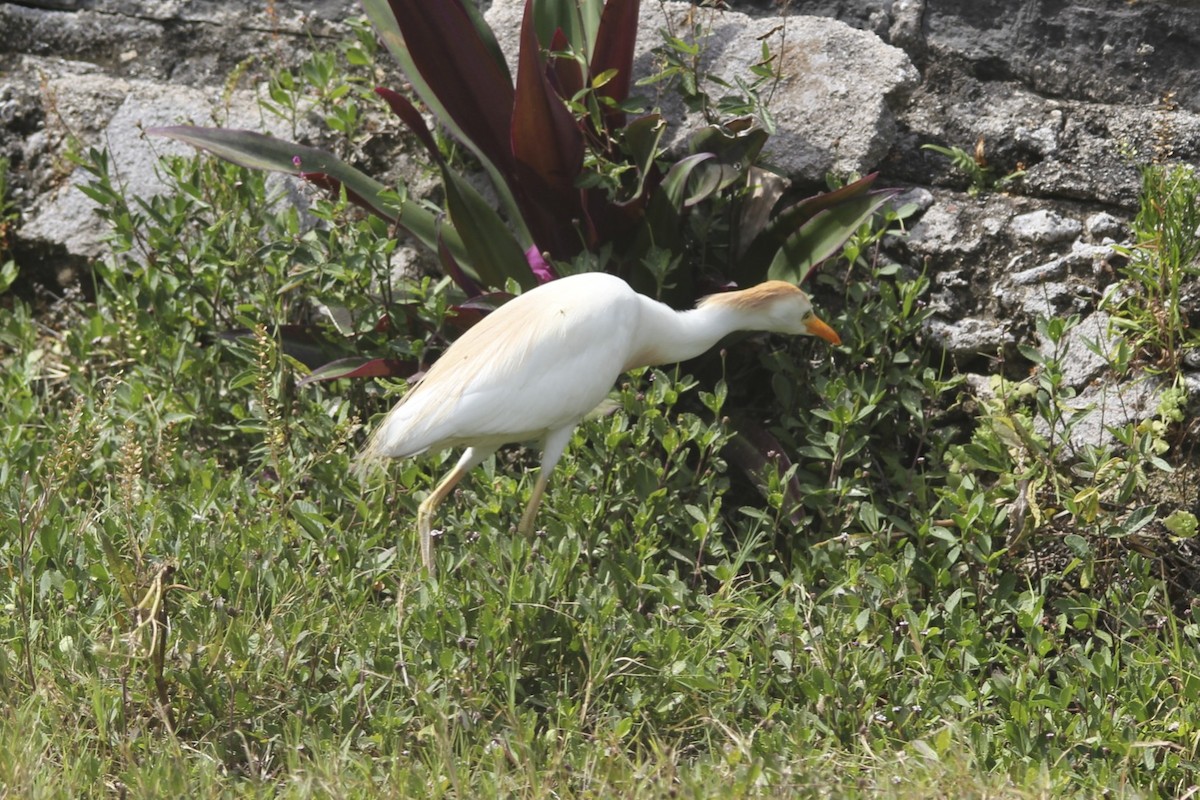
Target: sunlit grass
(198, 599)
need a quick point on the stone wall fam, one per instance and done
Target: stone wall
(1075, 95)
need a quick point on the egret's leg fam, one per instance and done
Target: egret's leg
(469, 460)
(552, 451)
(535, 500)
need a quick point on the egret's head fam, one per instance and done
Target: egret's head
(776, 306)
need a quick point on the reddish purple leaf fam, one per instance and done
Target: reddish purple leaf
(463, 319)
(606, 221)
(360, 367)
(568, 75)
(548, 147)
(809, 207)
(752, 266)
(411, 117)
(467, 314)
(615, 40)
(455, 271)
(462, 70)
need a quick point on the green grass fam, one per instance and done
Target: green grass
(198, 599)
(1163, 265)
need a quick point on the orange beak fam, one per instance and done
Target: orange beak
(818, 328)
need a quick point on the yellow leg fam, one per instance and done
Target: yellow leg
(535, 500)
(552, 450)
(470, 459)
(425, 514)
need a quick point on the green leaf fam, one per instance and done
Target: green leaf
(1078, 545)
(8, 274)
(925, 751)
(642, 137)
(822, 237)
(360, 367)
(1182, 524)
(755, 451)
(752, 266)
(491, 252)
(1139, 518)
(735, 145)
(550, 16)
(662, 222)
(259, 151)
(678, 188)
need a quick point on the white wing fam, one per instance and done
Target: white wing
(539, 363)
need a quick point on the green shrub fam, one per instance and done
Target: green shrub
(196, 598)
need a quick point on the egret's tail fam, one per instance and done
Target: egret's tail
(371, 455)
(388, 440)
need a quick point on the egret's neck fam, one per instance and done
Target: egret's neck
(667, 336)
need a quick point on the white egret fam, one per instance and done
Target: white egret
(532, 369)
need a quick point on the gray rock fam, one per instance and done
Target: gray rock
(1093, 50)
(1041, 273)
(907, 31)
(112, 113)
(969, 336)
(1191, 384)
(969, 240)
(917, 196)
(1064, 284)
(1085, 350)
(1042, 140)
(834, 103)
(1080, 260)
(1083, 256)
(1046, 299)
(1066, 148)
(946, 229)
(1045, 226)
(198, 42)
(1102, 225)
(1090, 418)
